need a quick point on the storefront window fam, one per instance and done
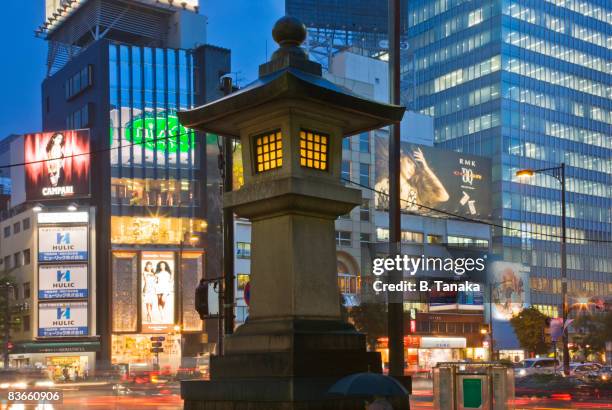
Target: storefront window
(153, 230)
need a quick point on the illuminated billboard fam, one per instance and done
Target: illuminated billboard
(431, 178)
(62, 319)
(157, 291)
(60, 244)
(62, 281)
(57, 164)
(509, 289)
(148, 136)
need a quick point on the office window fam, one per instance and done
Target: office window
(243, 250)
(346, 143)
(26, 290)
(343, 238)
(382, 234)
(80, 118)
(364, 174)
(346, 170)
(241, 280)
(434, 239)
(364, 142)
(26, 323)
(364, 238)
(26, 257)
(7, 231)
(364, 211)
(79, 82)
(410, 236)
(26, 224)
(16, 227)
(7, 263)
(17, 260)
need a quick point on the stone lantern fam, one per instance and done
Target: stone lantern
(291, 123)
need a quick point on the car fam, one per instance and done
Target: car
(605, 373)
(537, 365)
(584, 369)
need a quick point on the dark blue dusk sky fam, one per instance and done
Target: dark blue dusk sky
(241, 25)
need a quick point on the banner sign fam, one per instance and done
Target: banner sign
(157, 291)
(57, 164)
(58, 244)
(62, 319)
(62, 281)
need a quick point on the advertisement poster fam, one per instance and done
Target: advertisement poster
(57, 164)
(62, 281)
(157, 291)
(433, 178)
(509, 289)
(62, 319)
(59, 244)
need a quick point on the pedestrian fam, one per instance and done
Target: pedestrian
(379, 403)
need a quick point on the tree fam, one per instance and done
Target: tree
(529, 327)
(596, 330)
(371, 319)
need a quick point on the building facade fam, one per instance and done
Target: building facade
(149, 176)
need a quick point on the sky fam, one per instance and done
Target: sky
(243, 26)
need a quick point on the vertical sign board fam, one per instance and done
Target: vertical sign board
(62, 243)
(62, 281)
(63, 319)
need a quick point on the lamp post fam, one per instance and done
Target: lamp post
(559, 174)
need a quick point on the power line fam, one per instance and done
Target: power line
(465, 218)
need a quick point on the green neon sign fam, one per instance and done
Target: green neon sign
(161, 132)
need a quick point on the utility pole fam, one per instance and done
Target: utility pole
(226, 296)
(395, 311)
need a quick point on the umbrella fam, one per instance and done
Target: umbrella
(368, 384)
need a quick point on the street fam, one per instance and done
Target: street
(169, 399)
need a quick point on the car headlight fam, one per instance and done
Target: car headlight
(5, 385)
(522, 372)
(44, 383)
(604, 377)
(19, 385)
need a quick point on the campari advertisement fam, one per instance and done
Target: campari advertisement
(59, 244)
(62, 319)
(57, 164)
(62, 281)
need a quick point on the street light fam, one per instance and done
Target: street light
(559, 174)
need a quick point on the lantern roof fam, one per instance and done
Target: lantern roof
(290, 76)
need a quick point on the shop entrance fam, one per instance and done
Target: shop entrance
(67, 368)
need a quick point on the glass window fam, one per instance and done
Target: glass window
(364, 174)
(346, 143)
(269, 151)
(241, 280)
(313, 149)
(124, 291)
(26, 290)
(26, 323)
(26, 257)
(364, 211)
(364, 238)
(346, 170)
(17, 260)
(243, 250)
(343, 238)
(410, 236)
(7, 262)
(16, 227)
(364, 142)
(26, 224)
(7, 231)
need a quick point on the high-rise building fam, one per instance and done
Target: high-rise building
(123, 69)
(529, 85)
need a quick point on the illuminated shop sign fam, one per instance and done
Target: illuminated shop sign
(443, 342)
(62, 319)
(57, 164)
(62, 281)
(58, 244)
(62, 217)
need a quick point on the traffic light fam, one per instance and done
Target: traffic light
(156, 344)
(201, 299)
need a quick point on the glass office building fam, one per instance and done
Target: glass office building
(529, 84)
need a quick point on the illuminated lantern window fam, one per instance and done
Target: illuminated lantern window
(313, 149)
(269, 151)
